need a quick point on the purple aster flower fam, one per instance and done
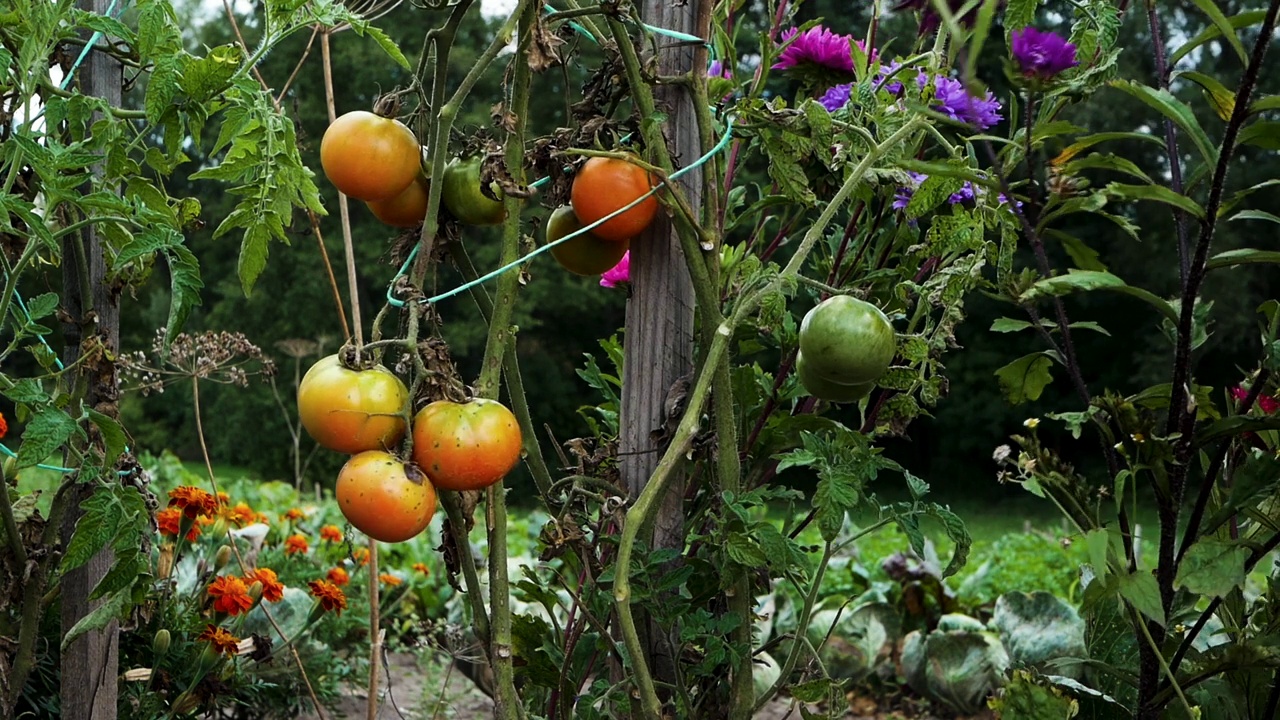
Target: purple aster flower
(953, 100)
(1042, 54)
(816, 46)
(964, 194)
(619, 274)
(894, 87)
(719, 69)
(837, 97)
(903, 195)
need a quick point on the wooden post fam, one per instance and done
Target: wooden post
(90, 663)
(659, 337)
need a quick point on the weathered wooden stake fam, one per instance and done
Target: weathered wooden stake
(659, 337)
(90, 664)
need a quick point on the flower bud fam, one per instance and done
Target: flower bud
(220, 527)
(160, 643)
(255, 590)
(10, 468)
(222, 558)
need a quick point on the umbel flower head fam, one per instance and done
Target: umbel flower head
(1042, 55)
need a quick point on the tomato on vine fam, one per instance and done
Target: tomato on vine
(847, 341)
(384, 497)
(370, 157)
(462, 196)
(824, 389)
(406, 210)
(584, 254)
(603, 186)
(466, 446)
(352, 411)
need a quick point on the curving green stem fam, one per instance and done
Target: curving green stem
(682, 440)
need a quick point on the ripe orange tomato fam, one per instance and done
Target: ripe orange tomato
(352, 411)
(405, 210)
(605, 185)
(583, 254)
(369, 157)
(462, 196)
(465, 446)
(385, 498)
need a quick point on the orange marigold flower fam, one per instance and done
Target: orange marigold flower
(331, 533)
(339, 576)
(422, 568)
(330, 596)
(222, 641)
(272, 588)
(4, 426)
(295, 544)
(241, 514)
(262, 518)
(390, 579)
(193, 501)
(170, 522)
(230, 595)
(205, 521)
(223, 498)
(361, 555)
(292, 514)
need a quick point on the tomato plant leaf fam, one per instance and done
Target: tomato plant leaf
(1025, 378)
(27, 390)
(114, 608)
(48, 431)
(95, 529)
(743, 550)
(205, 77)
(1212, 567)
(113, 436)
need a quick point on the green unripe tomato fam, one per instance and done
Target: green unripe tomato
(847, 341)
(825, 389)
(463, 198)
(583, 254)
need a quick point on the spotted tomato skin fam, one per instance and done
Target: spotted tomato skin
(384, 497)
(466, 446)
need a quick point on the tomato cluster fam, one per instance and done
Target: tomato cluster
(846, 344)
(456, 446)
(378, 160)
(602, 186)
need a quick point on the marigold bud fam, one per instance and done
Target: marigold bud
(255, 590)
(10, 468)
(220, 527)
(222, 558)
(160, 643)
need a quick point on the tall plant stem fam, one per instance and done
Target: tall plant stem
(1170, 142)
(375, 632)
(501, 337)
(1182, 419)
(639, 514)
(213, 483)
(344, 209)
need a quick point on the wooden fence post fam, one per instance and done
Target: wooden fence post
(659, 338)
(90, 663)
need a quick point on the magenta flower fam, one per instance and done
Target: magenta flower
(816, 46)
(1267, 404)
(1042, 54)
(619, 274)
(953, 100)
(837, 97)
(719, 69)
